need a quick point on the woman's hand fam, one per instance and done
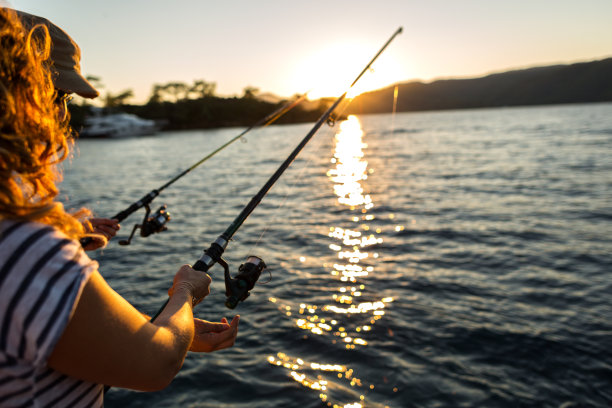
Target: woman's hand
(196, 283)
(210, 336)
(103, 226)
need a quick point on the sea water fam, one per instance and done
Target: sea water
(437, 259)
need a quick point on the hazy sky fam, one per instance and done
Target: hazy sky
(288, 47)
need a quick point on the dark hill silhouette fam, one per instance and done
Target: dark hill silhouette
(575, 83)
(557, 84)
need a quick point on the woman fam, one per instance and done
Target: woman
(63, 331)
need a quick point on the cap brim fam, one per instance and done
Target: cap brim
(70, 81)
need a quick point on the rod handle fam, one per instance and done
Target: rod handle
(201, 266)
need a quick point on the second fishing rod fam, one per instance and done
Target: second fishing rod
(155, 223)
(237, 289)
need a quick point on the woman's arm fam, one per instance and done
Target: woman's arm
(107, 341)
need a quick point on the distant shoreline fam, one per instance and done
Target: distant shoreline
(584, 82)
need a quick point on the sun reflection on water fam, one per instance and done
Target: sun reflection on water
(352, 312)
(312, 375)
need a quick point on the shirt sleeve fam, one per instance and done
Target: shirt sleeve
(45, 286)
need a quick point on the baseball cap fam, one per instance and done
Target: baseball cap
(65, 56)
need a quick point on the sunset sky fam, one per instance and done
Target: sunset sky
(288, 47)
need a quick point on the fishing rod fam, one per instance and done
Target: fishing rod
(156, 223)
(237, 288)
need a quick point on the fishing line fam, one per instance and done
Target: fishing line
(237, 288)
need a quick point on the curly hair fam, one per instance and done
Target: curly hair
(33, 139)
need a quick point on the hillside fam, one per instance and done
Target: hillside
(558, 84)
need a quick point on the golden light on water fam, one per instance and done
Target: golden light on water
(309, 375)
(350, 168)
(347, 320)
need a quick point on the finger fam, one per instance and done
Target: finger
(106, 231)
(95, 221)
(221, 340)
(234, 323)
(210, 327)
(215, 344)
(218, 332)
(104, 221)
(110, 228)
(234, 326)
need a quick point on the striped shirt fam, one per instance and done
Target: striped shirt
(42, 275)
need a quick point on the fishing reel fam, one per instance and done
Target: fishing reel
(237, 288)
(150, 224)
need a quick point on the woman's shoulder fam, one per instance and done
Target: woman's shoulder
(42, 274)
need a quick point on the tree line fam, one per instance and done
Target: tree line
(179, 105)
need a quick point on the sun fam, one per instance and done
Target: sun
(330, 71)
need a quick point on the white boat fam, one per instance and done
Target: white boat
(117, 125)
